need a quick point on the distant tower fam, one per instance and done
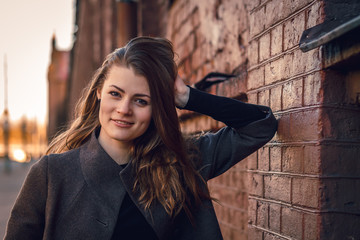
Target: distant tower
(6, 120)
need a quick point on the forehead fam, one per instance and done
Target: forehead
(126, 79)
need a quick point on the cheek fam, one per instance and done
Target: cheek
(146, 116)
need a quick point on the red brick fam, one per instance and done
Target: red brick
(197, 59)
(263, 215)
(274, 12)
(312, 159)
(287, 69)
(274, 71)
(252, 161)
(277, 187)
(251, 4)
(264, 159)
(186, 48)
(236, 179)
(313, 15)
(305, 125)
(292, 94)
(275, 159)
(292, 159)
(274, 217)
(276, 40)
(295, 5)
(256, 78)
(293, 30)
(254, 233)
(256, 186)
(239, 219)
(269, 236)
(252, 98)
(311, 226)
(264, 98)
(195, 19)
(306, 192)
(283, 131)
(183, 33)
(311, 60)
(299, 62)
(253, 52)
(291, 223)
(312, 89)
(264, 47)
(257, 21)
(275, 98)
(252, 209)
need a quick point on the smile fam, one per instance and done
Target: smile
(123, 123)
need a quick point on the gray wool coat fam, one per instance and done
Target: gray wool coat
(77, 194)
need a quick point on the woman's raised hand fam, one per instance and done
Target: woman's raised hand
(182, 92)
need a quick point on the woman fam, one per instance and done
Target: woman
(123, 170)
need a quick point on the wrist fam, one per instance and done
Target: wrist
(183, 98)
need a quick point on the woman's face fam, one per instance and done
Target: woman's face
(125, 106)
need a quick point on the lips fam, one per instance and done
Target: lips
(122, 123)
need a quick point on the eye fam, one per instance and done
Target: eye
(114, 93)
(141, 102)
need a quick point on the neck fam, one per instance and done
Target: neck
(117, 150)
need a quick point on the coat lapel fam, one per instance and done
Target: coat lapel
(101, 173)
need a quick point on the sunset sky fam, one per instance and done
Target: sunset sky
(26, 29)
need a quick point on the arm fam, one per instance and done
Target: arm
(27, 218)
(250, 127)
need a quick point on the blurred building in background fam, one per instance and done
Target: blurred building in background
(305, 183)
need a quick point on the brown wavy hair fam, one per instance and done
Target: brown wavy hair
(163, 166)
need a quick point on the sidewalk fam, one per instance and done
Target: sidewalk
(10, 184)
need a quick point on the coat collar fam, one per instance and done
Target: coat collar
(110, 182)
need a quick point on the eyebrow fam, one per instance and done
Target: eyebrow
(137, 94)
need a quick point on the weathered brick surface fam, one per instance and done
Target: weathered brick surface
(291, 223)
(274, 12)
(274, 217)
(256, 184)
(292, 159)
(311, 223)
(312, 89)
(277, 187)
(293, 29)
(275, 159)
(263, 215)
(276, 98)
(264, 161)
(305, 192)
(256, 78)
(312, 159)
(277, 40)
(264, 47)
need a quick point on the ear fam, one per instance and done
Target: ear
(98, 94)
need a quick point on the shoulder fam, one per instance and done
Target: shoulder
(60, 165)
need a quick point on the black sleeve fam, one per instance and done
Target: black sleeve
(230, 111)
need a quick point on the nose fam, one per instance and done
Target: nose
(124, 107)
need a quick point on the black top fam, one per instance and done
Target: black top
(131, 224)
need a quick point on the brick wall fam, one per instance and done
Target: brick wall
(285, 183)
(212, 36)
(303, 184)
